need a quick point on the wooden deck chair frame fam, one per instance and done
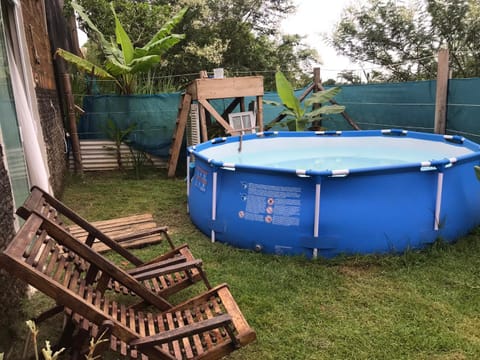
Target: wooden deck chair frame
(175, 270)
(208, 326)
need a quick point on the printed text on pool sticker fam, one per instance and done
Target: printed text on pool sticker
(200, 178)
(277, 205)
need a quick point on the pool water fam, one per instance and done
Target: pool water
(331, 153)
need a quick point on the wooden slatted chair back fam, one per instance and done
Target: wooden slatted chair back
(187, 272)
(45, 204)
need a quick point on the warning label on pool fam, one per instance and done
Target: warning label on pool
(200, 179)
(270, 204)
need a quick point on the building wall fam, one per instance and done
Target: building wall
(48, 98)
(13, 291)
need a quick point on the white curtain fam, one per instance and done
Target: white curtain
(36, 164)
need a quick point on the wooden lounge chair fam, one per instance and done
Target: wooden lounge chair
(208, 326)
(180, 268)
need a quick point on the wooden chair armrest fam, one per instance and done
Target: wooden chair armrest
(169, 254)
(159, 264)
(184, 266)
(224, 320)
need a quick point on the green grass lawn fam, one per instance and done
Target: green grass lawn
(417, 305)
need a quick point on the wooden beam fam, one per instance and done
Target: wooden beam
(316, 124)
(231, 107)
(242, 104)
(226, 88)
(307, 91)
(316, 79)
(216, 115)
(72, 124)
(260, 113)
(344, 113)
(179, 132)
(441, 95)
(203, 122)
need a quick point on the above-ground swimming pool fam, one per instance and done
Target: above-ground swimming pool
(330, 193)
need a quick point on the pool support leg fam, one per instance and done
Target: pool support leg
(214, 203)
(188, 182)
(438, 202)
(316, 220)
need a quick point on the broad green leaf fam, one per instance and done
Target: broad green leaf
(122, 39)
(104, 44)
(144, 63)
(322, 96)
(271, 102)
(161, 46)
(331, 109)
(113, 51)
(168, 27)
(83, 64)
(286, 94)
(288, 112)
(109, 48)
(117, 68)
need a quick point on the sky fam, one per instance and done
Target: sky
(314, 18)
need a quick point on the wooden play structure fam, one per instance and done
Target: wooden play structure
(200, 92)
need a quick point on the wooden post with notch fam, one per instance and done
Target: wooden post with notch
(317, 83)
(177, 140)
(441, 94)
(72, 124)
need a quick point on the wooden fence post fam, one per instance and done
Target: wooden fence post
(441, 95)
(72, 124)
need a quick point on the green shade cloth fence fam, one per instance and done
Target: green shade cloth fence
(409, 105)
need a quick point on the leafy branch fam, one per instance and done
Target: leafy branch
(297, 115)
(123, 60)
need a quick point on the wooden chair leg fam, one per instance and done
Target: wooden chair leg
(49, 313)
(67, 336)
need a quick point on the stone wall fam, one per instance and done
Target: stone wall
(54, 135)
(12, 290)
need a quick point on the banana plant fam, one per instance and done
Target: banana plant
(123, 60)
(297, 116)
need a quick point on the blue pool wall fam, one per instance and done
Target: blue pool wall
(373, 210)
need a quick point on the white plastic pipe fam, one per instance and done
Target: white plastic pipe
(438, 202)
(317, 211)
(214, 203)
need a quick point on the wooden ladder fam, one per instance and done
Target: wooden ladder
(180, 125)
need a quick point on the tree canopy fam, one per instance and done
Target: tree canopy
(404, 37)
(242, 36)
